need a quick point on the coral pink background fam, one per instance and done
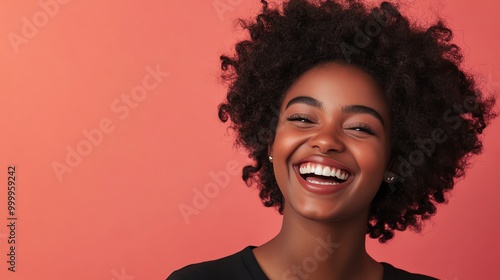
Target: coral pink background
(115, 213)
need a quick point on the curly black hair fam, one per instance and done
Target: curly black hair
(438, 110)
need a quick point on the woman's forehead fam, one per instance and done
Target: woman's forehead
(334, 83)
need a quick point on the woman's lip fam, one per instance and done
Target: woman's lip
(323, 161)
(318, 188)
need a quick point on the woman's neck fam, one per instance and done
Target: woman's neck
(308, 249)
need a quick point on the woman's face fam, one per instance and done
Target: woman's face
(332, 143)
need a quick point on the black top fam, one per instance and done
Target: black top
(243, 266)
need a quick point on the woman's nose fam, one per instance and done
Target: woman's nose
(327, 140)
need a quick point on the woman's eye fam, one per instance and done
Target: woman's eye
(299, 118)
(362, 128)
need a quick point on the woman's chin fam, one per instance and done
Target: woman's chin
(321, 212)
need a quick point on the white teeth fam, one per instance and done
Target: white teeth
(326, 171)
(321, 183)
(317, 169)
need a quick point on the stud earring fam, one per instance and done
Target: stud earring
(271, 158)
(389, 177)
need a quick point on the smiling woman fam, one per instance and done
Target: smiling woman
(332, 124)
(357, 89)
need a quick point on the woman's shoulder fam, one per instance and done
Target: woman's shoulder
(239, 265)
(394, 273)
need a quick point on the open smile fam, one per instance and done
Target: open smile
(322, 175)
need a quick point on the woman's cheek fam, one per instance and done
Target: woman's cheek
(370, 157)
(287, 141)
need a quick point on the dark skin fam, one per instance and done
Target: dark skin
(334, 115)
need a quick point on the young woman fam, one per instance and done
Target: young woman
(358, 123)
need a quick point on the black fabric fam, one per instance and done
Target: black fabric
(243, 266)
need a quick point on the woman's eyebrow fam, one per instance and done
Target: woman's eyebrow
(305, 100)
(360, 109)
(356, 109)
